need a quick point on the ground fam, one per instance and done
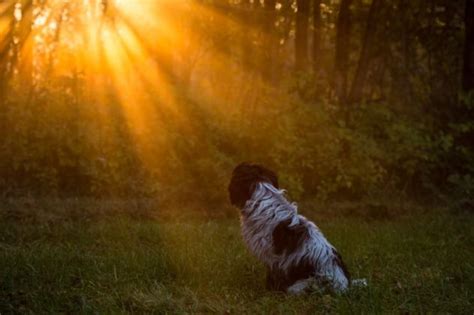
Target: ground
(420, 263)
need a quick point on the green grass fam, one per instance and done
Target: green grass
(414, 264)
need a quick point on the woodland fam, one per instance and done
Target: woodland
(346, 100)
(121, 122)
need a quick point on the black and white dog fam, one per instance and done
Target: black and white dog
(297, 255)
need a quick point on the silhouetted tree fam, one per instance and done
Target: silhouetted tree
(468, 67)
(343, 29)
(246, 32)
(301, 34)
(367, 42)
(317, 25)
(270, 43)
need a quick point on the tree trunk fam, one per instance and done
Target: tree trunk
(301, 34)
(317, 25)
(342, 49)
(468, 67)
(363, 66)
(246, 34)
(6, 43)
(270, 40)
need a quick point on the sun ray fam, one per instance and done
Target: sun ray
(125, 51)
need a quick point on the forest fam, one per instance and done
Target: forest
(346, 99)
(119, 114)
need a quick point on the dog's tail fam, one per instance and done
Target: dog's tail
(359, 283)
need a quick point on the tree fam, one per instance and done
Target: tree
(301, 34)
(468, 67)
(6, 45)
(270, 39)
(363, 66)
(317, 25)
(342, 49)
(246, 32)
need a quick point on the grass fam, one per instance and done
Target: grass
(414, 264)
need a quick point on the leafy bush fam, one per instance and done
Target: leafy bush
(64, 143)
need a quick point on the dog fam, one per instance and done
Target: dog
(297, 255)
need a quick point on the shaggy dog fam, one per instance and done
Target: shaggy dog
(297, 255)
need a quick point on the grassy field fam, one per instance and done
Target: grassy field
(414, 264)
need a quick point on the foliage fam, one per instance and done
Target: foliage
(54, 144)
(171, 123)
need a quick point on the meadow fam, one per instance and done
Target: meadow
(116, 263)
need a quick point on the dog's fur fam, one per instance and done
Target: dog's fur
(295, 252)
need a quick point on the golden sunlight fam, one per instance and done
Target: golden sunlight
(121, 46)
(134, 63)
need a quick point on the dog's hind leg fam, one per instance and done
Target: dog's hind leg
(301, 286)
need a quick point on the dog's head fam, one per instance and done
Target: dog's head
(244, 179)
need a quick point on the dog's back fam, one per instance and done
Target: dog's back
(290, 245)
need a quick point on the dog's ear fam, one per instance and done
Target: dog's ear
(242, 184)
(238, 195)
(245, 178)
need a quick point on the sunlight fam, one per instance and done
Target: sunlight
(78, 31)
(129, 53)
(122, 45)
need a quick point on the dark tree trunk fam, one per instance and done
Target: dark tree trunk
(301, 34)
(270, 40)
(342, 49)
(246, 33)
(468, 67)
(317, 25)
(360, 77)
